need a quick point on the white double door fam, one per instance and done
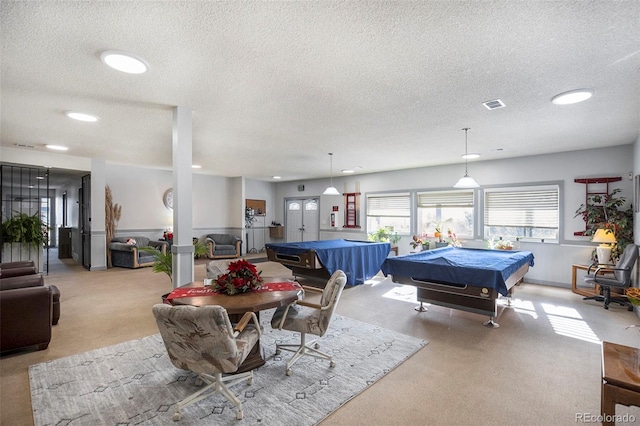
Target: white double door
(302, 219)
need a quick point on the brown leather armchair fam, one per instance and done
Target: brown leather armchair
(26, 312)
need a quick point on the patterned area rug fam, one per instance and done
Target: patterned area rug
(135, 383)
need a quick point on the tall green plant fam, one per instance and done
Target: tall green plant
(24, 228)
(163, 262)
(608, 211)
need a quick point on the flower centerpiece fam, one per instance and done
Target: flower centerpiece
(241, 278)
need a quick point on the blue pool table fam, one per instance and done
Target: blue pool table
(461, 278)
(360, 260)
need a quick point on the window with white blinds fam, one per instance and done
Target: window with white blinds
(451, 210)
(523, 212)
(389, 210)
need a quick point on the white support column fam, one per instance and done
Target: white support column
(98, 239)
(182, 249)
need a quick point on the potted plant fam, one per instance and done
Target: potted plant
(385, 234)
(608, 211)
(164, 261)
(23, 236)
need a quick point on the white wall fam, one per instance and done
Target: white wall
(216, 201)
(553, 261)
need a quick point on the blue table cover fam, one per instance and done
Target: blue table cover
(475, 267)
(360, 260)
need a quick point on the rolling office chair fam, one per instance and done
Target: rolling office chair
(621, 277)
(201, 340)
(305, 317)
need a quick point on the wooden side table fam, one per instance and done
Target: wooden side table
(574, 283)
(620, 379)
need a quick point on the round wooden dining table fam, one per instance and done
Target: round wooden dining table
(238, 304)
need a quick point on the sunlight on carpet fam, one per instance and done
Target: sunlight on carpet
(134, 382)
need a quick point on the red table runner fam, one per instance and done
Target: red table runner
(208, 291)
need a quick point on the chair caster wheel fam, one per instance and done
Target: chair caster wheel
(630, 309)
(289, 372)
(176, 416)
(278, 351)
(332, 364)
(317, 346)
(239, 415)
(606, 307)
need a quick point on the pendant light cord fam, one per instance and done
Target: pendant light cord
(466, 152)
(331, 168)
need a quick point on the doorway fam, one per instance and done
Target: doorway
(84, 198)
(302, 221)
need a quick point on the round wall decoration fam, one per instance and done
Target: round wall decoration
(167, 198)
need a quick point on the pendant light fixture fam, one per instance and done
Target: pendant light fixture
(466, 181)
(331, 190)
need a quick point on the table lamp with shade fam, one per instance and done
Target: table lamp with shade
(606, 238)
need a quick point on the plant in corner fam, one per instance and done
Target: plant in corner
(608, 211)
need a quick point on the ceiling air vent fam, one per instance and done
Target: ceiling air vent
(494, 104)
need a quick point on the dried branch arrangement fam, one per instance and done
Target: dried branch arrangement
(112, 213)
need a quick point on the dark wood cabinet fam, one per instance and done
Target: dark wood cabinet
(64, 243)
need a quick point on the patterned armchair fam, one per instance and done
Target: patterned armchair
(223, 246)
(202, 340)
(305, 317)
(125, 253)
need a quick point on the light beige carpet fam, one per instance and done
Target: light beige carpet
(542, 366)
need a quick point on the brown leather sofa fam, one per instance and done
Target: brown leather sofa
(28, 309)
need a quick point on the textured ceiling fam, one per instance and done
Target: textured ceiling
(275, 86)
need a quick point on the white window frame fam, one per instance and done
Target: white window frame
(530, 205)
(462, 198)
(389, 211)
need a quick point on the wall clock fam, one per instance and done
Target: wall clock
(167, 198)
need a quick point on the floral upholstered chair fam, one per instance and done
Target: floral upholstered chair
(202, 340)
(310, 318)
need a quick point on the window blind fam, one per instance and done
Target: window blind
(395, 205)
(536, 208)
(446, 199)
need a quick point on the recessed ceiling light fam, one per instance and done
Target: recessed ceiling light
(40, 177)
(347, 171)
(80, 116)
(124, 62)
(572, 97)
(196, 166)
(471, 155)
(57, 147)
(276, 177)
